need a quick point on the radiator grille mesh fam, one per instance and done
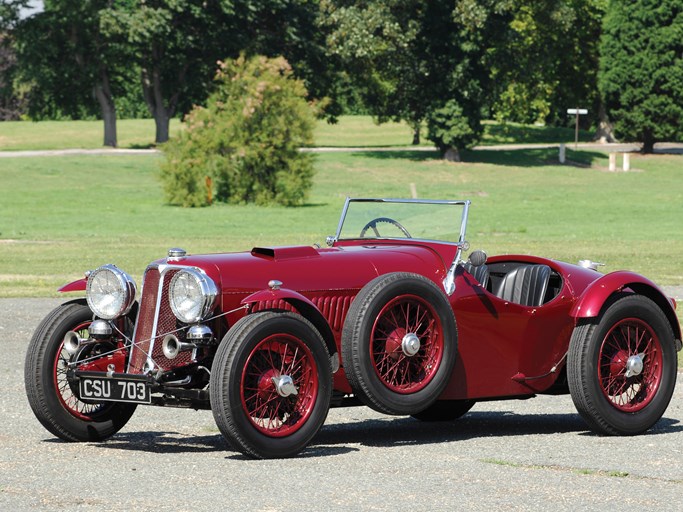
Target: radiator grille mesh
(155, 321)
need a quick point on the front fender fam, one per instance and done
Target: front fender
(74, 286)
(592, 300)
(303, 305)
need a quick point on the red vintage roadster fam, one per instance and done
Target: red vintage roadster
(389, 315)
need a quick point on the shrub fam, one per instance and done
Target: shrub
(244, 145)
(450, 129)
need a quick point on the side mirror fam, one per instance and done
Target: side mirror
(477, 258)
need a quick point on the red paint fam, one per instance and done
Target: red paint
(74, 286)
(504, 349)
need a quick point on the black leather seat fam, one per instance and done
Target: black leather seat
(480, 273)
(525, 285)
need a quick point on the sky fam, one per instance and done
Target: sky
(34, 6)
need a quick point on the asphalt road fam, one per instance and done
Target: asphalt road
(513, 455)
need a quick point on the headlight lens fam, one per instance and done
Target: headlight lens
(192, 294)
(110, 292)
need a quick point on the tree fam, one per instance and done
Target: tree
(413, 61)
(10, 13)
(10, 102)
(296, 30)
(541, 55)
(641, 70)
(69, 62)
(170, 41)
(244, 145)
(372, 40)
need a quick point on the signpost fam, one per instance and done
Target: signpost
(577, 112)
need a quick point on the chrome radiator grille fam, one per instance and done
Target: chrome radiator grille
(155, 321)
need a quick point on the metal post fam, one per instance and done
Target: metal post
(577, 112)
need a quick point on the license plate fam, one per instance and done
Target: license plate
(114, 390)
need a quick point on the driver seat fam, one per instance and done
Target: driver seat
(525, 285)
(480, 273)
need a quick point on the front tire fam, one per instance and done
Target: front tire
(622, 370)
(271, 384)
(50, 394)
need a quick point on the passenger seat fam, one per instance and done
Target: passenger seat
(525, 285)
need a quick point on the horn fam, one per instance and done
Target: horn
(71, 342)
(172, 346)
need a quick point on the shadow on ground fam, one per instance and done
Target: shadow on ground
(541, 157)
(336, 439)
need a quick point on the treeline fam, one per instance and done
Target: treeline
(443, 65)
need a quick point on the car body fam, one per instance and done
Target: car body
(388, 315)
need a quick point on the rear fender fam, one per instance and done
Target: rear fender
(592, 301)
(74, 286)
(305, 307)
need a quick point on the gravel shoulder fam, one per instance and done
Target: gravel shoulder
(510, 455)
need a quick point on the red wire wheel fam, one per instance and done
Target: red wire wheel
(399, 343)
(407, 344)
(630, 365)
(621, 367)
(271, 384)
(65, 392)
(275, 408)
(53, 399)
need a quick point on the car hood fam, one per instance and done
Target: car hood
(306, 268)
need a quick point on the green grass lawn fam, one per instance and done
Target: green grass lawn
(27, 135)
(60, 216)
(349, 131)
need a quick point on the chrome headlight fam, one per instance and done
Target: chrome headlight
(110, 292)
(192, 294)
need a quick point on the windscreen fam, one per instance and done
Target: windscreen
(392, 218)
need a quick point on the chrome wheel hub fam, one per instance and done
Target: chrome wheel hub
(410, 344)
(284, 385)
(634, 365)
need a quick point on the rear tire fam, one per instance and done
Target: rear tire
(50, 395)
(399, 343)
(622, 370)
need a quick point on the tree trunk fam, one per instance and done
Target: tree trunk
(162, 122)
(103, 94)
(416, 126)
(605, 131)
(452, 155)
(151, 89)
(161, 109)
(648, 142)
(101, 91)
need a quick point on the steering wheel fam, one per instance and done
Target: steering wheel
(373, 225)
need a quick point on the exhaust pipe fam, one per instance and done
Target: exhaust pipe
(172, 346)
